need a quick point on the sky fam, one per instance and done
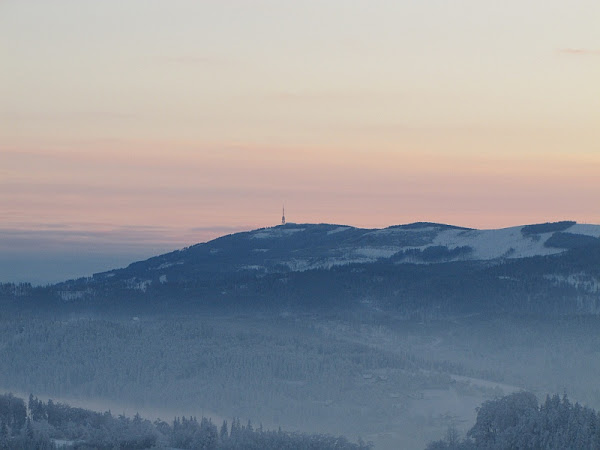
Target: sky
(132, 128)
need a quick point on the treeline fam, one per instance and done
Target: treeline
(16, 427)
(517, 421)
(415, 289)
(49, 425)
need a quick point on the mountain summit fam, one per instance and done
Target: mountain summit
(299, 247)
(554, 266)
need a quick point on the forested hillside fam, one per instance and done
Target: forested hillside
(394, 381)
(415, 269)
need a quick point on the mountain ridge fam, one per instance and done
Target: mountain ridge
(363, 245)
(423, 266)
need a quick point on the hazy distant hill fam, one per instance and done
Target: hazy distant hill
(420, 267)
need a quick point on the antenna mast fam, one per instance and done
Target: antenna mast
(283, 216)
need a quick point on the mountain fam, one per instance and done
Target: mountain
(551, 267)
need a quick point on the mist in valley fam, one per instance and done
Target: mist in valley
(394, 382)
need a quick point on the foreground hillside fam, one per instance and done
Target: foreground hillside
(518, 422)
(512, 421)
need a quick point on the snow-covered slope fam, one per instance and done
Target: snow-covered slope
(502, 243)
(399, 263)
(302, 247)
(585, 229)
(408, 243)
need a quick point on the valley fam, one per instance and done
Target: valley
(393, 382)
(384, 335)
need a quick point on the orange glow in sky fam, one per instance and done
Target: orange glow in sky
(202, 118)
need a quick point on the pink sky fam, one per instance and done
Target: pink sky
(244, 188)
(201, 118)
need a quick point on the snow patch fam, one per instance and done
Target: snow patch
(63, 443)
(400, 230)
(377, 252)
(277, 232)
(580, 280)
(493, 244)
(167, 265)
(162, 279)
(301, 265)
(252, 267)
(135, 284)
(69, 296)
(260, 250)
(338, 230)
(585, 229)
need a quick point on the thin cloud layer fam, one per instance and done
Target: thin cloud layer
(579, 51)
